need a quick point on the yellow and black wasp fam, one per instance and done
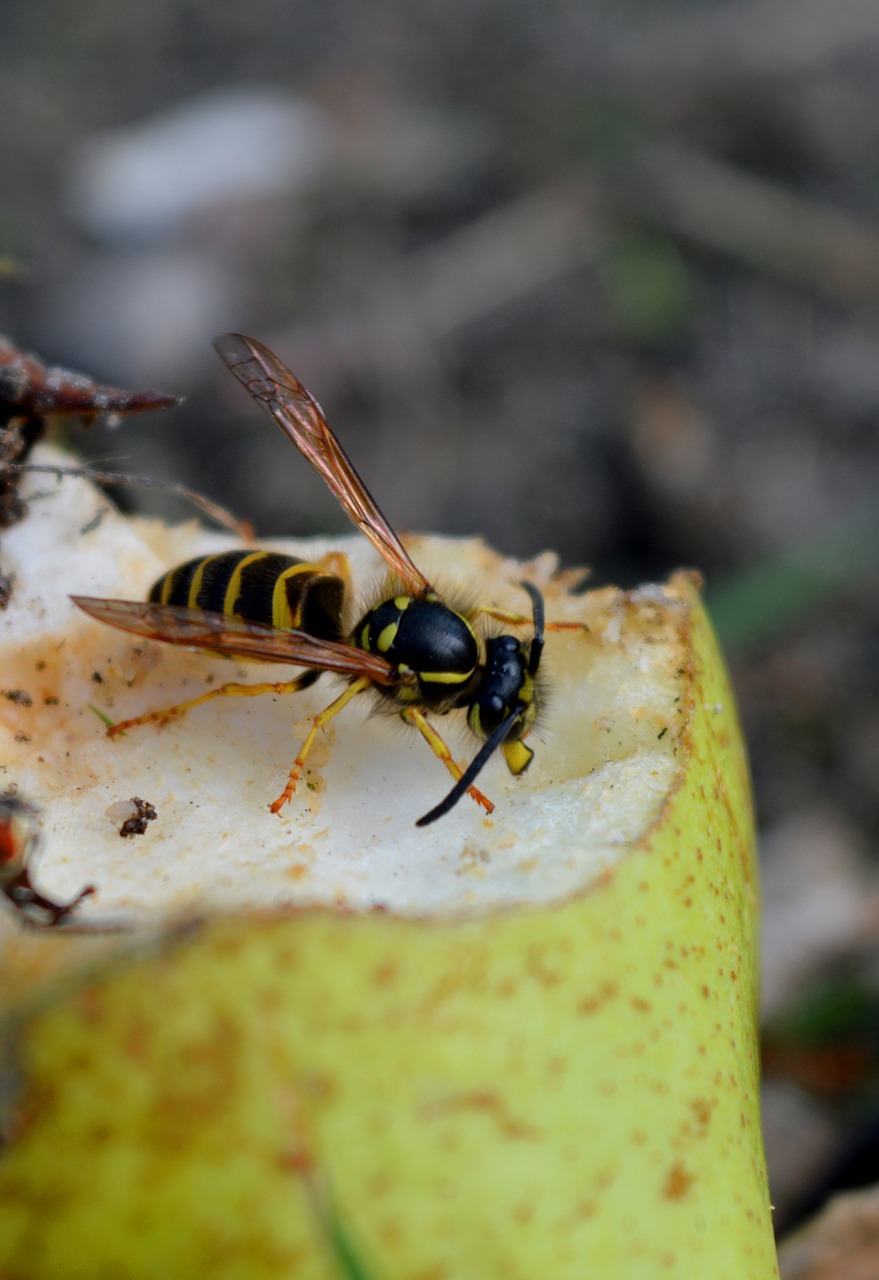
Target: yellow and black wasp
(414, 650)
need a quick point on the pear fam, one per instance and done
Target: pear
(333, 1044)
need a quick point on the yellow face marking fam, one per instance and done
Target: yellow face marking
(526, 692)
(402, 602)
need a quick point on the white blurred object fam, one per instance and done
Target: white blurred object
(148, 181)
(820, 901)
(801, 1140)
(148, 313)
(190, 210)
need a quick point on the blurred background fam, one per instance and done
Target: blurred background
(601, 277)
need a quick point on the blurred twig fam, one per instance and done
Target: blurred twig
(496, 259)
(763, 224)
(522, 246)
(767, 37)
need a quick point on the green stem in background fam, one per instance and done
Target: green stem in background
(754, 605)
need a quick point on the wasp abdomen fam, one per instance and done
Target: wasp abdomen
(261, 586)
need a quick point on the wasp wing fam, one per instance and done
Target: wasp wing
(236, 637)
(301, 418)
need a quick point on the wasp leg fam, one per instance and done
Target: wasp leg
(337, 563)
(520, 620)
(322, 718)
(413, 716)
(224, 691)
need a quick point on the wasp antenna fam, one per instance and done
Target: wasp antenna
(538, 612)
(473, 769)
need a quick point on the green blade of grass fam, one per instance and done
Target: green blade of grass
(105, 719)
(770, 597)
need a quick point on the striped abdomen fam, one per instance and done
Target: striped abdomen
(261, 586)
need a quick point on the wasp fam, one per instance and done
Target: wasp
(420, 656)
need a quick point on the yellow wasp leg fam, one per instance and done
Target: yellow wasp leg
(224, 691)
(519, 619)
(336, 562)
(413, 716)
(322, 718)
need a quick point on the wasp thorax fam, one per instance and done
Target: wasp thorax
(425, 637)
